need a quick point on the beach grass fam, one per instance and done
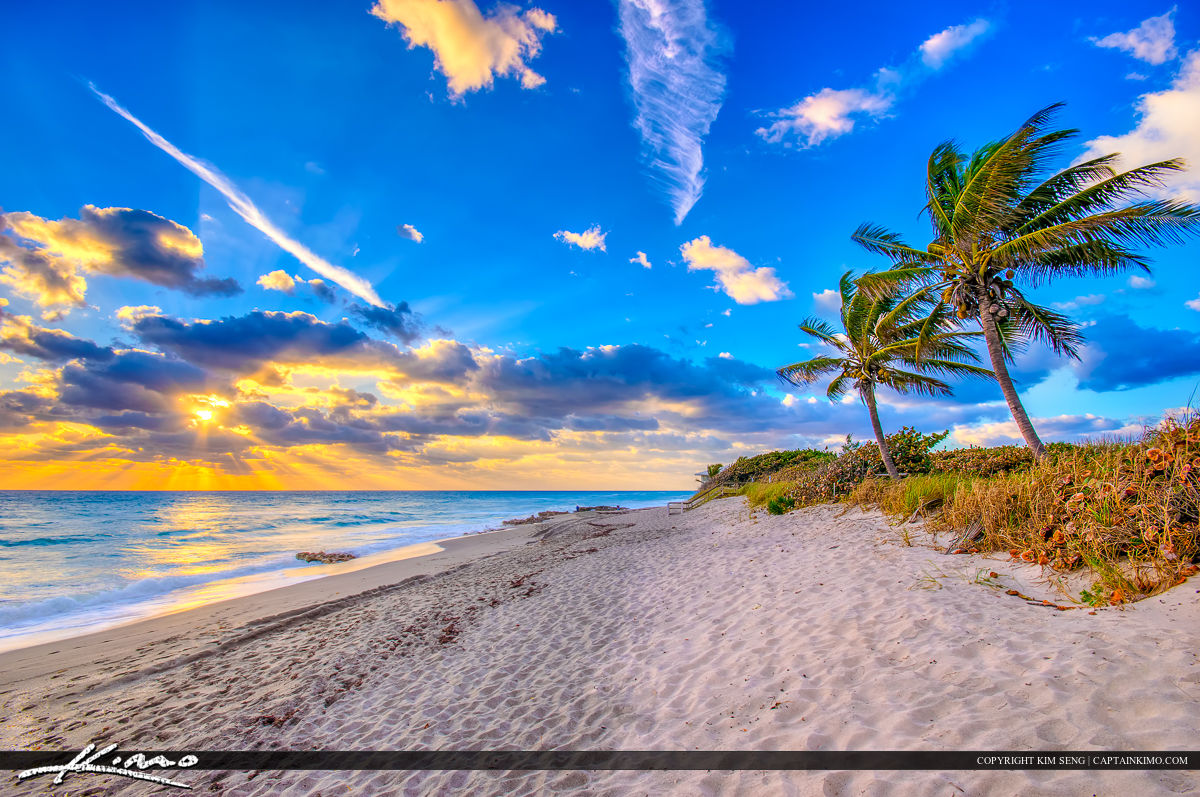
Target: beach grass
(1125, 510)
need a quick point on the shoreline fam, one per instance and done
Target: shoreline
(106, 616)
(419, 561)
(820, 629)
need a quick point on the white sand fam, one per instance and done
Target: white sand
(711, 630)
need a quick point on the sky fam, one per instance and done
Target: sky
(445, 244)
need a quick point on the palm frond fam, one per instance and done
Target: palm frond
(879, 240)
(1054, 329)
(805, 373)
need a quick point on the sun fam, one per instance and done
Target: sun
(205, 408)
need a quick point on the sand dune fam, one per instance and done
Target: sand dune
(818, 630)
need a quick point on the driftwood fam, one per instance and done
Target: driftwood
(964, 540)
(927, 506)
(538, 518)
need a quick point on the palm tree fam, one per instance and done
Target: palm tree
(1001, 216)
(883, 335)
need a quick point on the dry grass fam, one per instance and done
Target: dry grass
(1128, 512)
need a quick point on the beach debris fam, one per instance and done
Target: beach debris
(599, 509)
(962, 544)
(538, 518)
(1035, 602)
(927, 505)
(325, 557)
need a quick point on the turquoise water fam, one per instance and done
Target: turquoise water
(73, 562)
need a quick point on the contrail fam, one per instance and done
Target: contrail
(242, 205)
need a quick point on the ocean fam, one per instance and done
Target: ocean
(75, 562)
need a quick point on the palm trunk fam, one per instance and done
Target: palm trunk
(1000, 368)
(868, 396)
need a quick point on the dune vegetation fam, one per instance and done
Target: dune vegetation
(1004, 223)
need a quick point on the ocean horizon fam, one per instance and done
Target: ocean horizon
(77, 561)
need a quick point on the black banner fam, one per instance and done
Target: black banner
(625, 759)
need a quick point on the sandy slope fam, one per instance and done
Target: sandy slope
(712, 630)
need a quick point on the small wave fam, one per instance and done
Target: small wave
(37, 541)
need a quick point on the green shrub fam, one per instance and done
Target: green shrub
(758, 468)
(982, 461)
(909, 448)
(781, 505)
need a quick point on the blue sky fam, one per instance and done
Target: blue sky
(735, 148)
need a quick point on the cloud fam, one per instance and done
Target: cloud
(1141, 283)
(939, 47)
(735, 276)
(46, 259)
(141, 381)
(47, 280)
(640, 257)
(1193, 304)
(471, 49)
(590, 238)
(725, 355)
(397, 320)
(1059, 427)
(828, 300)
(1120, 355)
(830, 113)
(280, 280)
(1153, 41)
(672, 52)
(1166, 128)
(410, 232)
(1089, 300)
(244, 344)
(241, 204)
(20, 335)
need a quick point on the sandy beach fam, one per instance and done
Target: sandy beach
(817, 630)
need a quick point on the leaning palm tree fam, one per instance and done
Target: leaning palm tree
(1001, 216)
(884, 335)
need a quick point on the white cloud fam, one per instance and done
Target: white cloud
(1079, 301)
(241, 204)
(1058, 427)
(938, 48)
(410, 232)
(677, 85)
(471, 49)
(1194, 304)
(1141, 283)
(727, 312)
(278, 280)
(1166, 128)
(790, 400)
(640, 257)
(725, 355)
(735, 276)
(829, 113)
(1153, 41)
(591, 238)
(828, 300)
